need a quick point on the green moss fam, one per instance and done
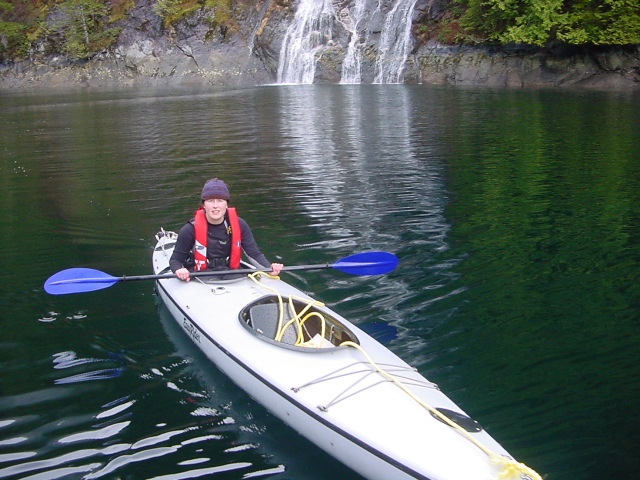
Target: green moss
(172, 11)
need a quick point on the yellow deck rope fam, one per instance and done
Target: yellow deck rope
(295, 317)
(510, 469)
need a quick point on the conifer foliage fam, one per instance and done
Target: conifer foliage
(81, 26)
(544, 22)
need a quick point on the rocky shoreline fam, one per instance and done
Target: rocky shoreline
(141, 65)
(613, 69)
(130, 69)
(195, 53)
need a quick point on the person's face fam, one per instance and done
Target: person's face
(214, 210)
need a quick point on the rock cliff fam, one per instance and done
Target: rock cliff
(196, 51)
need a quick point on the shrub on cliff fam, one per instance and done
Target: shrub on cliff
(82, 27)
(542, 22)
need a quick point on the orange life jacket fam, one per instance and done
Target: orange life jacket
(200, 225)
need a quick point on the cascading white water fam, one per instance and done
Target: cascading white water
(395, 43)
(305, 40)
(312, 29)
(352, 63)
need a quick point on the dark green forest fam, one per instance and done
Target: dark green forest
(81, 28)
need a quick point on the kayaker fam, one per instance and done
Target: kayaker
(215, 238)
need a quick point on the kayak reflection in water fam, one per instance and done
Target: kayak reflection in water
(215, 237)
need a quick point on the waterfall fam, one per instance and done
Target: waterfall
(311, 32)
(305, 41)
(352, 63)
(395, 43)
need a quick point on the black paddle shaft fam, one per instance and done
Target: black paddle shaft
(213, 273)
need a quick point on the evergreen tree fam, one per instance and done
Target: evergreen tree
(81, 25)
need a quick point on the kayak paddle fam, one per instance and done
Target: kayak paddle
(79, 280)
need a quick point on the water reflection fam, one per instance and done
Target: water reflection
(350, 183)
(366, 170)
(99, 444)
(514, 215)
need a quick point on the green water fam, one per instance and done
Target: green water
(515, 215)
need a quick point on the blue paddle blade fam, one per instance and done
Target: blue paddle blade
(367, 263)
(78, 280)
(380, 331)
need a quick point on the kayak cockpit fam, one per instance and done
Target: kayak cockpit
(295, 324)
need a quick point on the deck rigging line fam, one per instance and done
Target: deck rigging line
(510, 468)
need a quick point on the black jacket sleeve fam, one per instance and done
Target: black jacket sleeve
(184, 245)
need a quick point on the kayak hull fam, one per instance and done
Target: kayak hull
(332, 394)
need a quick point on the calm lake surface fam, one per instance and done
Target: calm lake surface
(515, 215)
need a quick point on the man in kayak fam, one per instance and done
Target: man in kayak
(216, 237)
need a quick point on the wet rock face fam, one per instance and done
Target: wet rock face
(200, 50)
(613, 69)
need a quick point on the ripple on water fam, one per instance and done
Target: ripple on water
(108, 439)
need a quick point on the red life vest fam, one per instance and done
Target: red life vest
(236, 239)
(200, 225)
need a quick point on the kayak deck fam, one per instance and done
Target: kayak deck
(328, 379)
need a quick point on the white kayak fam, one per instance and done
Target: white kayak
(329, 380)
